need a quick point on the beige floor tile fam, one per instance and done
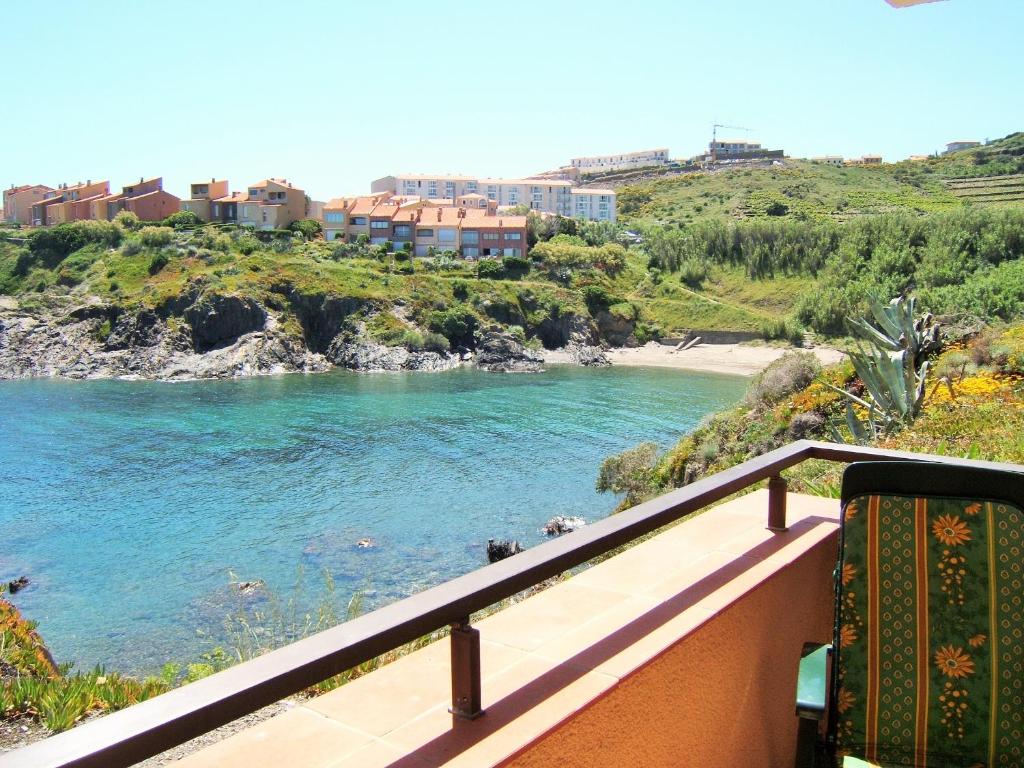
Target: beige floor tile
(298, 737)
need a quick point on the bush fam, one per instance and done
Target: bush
(784, 329)
(157, 263)
(435, 342)
(631, 473)
(456, 324)
(248, 244)
(412, 340)
(128, 220)
(132, 246)
(460, 289)
(489, 268)
(789, 374)
(52, 245)
(183, 220)
(693, 272)
(596, 297)
(516, 265)
(156, 237)
(308, 228)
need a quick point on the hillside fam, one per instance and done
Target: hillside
(803, 189)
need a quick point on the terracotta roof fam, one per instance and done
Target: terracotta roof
(234, 197)
(15, 190)
(337, 204)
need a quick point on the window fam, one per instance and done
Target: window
(378, 240)
(254, 193)
(510, 252)
(446, 235)
(470, 252)
(471, 186)
(449, 189)
(216, 209)
(491, 235)
(471, 236)
(359, 221)
(334, 217)
(402, 230)
(432, 189)
(380, 225)
(513, 235)
(424, 233)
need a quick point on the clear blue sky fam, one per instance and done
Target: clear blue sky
(334, 94)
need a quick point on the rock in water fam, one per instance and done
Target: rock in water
(499, 549)
(249, 588)
(502, 353)
(17, 585)
(589, 356)
(560, 524)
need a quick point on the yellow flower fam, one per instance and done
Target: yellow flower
(973, 509)
(951, 531)
(845, 700)
(977, 641)
(849, 573)
(954, 662)
(847, 635)
(851, 510)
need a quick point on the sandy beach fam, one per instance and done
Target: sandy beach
(738, 359)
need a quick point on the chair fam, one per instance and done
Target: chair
(926, 667)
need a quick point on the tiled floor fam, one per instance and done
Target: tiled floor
(543, 659)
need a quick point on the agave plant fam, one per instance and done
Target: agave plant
(891, 360)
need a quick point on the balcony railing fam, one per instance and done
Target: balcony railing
(133, 734)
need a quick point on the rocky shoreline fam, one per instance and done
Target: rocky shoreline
(197, 336)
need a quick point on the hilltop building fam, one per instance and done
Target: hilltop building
(146, 199)
(865, 160)
(542, 195)
(956, 146)
(18, 202)
(836, 160)
(201, 197)
(740, 149)
(607, 163)
(424, 225)
(68, 203)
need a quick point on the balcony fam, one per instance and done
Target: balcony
(682, 649)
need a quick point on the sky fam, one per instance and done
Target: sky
(332, 94)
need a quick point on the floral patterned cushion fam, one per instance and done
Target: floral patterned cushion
(930, 654)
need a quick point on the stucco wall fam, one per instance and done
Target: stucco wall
(722, 696)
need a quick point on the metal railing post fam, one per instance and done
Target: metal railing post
(466, 696)
(777, 504)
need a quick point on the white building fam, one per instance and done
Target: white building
(606, 163)
(956, 146)
(836, 160)
(542, 195)
(729, 147)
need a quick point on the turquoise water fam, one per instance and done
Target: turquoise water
(130, 504)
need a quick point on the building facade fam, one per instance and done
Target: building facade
(626, 161)
(201, 197)
(836, 160)
(271, 204)
(956, 146)
(542, 195)
(69, 203)
(18, 202)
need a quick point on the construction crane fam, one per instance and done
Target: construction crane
(714, 137)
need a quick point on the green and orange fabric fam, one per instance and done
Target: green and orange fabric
(929, 666)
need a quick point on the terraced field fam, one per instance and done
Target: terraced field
(991, 189)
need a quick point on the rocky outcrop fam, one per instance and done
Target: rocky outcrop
(501, 353)
(589, 356)
(616, 329)
(216, 319)
(567, 330)
(500, 549)
(322, 316)
(365, 355)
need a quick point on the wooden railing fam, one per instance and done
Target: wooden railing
(133, 734)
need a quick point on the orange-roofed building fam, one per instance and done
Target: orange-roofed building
(59, 206)
(201, 199)
(271, 204)
(18, 202)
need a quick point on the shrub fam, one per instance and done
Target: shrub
(158, 262)
(456, 324)
(412, 340)
(308, 228)
(517, 333)
(489, 268)
(183, 220)
(248, 244)
(435, 342)
(132, 246)
(516, 265)
(156, 237)
(693, 272)
(596, 297)
(785, 329)
(128, 220)
(51, 245)
(460, 289)
(631, 473)
(789, 374)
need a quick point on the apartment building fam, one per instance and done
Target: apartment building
(542, 195)
(865, 160)
(625, 161)
(724, 149)
(18, 201)
(145, 198)
(68, 203)
(271, 204)
(201, 198)
(423, 225)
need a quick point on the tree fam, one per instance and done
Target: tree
(308, 228)
(631, 472)
(128, 220)
(180, 220)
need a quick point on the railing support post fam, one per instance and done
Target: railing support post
(466, 697)
(777, 504)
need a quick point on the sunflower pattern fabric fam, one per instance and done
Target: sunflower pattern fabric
(930, 662)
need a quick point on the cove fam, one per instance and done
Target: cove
(130, 504)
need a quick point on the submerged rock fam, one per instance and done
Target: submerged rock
(17, 585)
(499, 549)
(502, 353)
(560, 524)
(249, 588)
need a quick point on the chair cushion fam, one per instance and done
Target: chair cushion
(930, 658)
